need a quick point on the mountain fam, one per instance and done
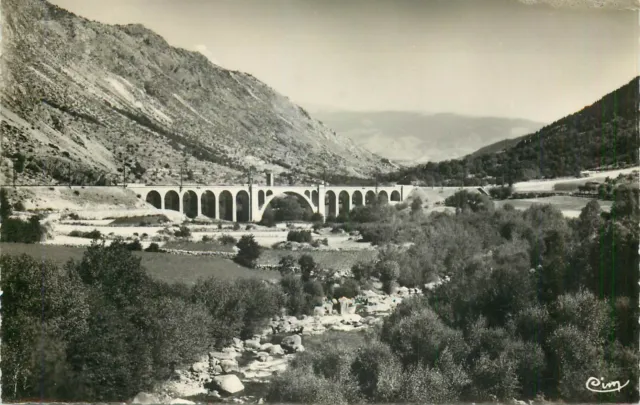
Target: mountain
(413, 137)
(81, 97)
(602, 135)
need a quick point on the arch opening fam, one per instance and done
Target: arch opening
(242, 207)
(383, 197)
(154, 198)
(172, 201)
(395, 196)
(260, 198)
(190, 204)
(330, 204)
(344, 202)
(288, 206)
(225, 206)
(307, 193)
(269, 192)
(208, 204)
(370, 198)
(315, 198)
(356, 198)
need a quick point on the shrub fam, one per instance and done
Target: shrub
(227, 240)
(183, 232)
(153, 247)
(236, 226)
(317, 226)
(316, 217)
(135, 245)
(296, 300)
(19, 206)
(287, 265)
(206, 239)
(416, 205)
(300, 236)
(330, 219)
(307, 266)
(268, 218)
(248, 251)
(362, 271)
(349, 288)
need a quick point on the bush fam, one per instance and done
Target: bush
(248, 251)
(183, 232)
(206, 239)
(236, 226)
(316, 217)
(362, 271)
(287, 265)
(153, 247)
(299, 236)
(296, 299)
(134, 246)
(330, 219)
(268, 218)
(227, 240)
(349, 288)
(19, 206)
(307, 266)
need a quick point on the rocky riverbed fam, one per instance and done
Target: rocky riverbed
(224, 375)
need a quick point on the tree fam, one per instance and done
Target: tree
(416, 205)
(5, 205)
(248, 251)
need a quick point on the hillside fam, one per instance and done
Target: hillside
(413, 137)
(604, 134)
(80, 98)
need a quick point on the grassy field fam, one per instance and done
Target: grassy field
(569, 205)
(338, 260)
(162, 266)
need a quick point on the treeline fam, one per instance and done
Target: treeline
(603, 134)
(104, 330)
(535, 306)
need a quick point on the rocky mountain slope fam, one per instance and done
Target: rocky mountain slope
(83, 99)
(412, 137)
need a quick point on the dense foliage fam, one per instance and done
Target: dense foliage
(536, 304)
(100, 329)
(601, 135)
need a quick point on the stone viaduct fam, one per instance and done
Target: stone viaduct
(247, 203)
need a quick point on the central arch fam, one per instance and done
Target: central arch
(305, 203)
(190, 204)
(172, 201)
(242, 206)
(154, 198)
(225, 205)
(208, 204)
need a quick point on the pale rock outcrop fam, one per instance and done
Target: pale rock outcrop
(229, 384)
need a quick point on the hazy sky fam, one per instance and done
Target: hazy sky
(478, 57)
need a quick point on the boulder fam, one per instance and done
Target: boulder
(180, 401)
(291, 343)
(229, 384)
(223, 355)
(265, 347)
(252, 344)
(275, 350)
(145, 398)
(319, 311)
(229, 366)
(200, 367)
(263, 357)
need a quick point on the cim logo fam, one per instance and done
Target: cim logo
(598, 385)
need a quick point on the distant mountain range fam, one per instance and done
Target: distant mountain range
(604, 134)
(81, 99)
(413, 137)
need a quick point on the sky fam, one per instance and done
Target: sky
(534, 59)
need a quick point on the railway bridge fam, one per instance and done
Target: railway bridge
(248, 202)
